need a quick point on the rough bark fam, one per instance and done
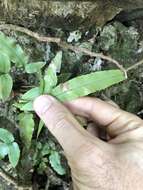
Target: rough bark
(66, 14)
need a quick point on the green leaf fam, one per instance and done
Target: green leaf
(4, 63)
(19, 105)
(34, 67)
(45, 150)
(14, 51)
(40, 127)
(87, 84)
(6, 136)
(56, 62)
(28, 106)
(50, 80)
(55, 161)
(3, 150)
(14, 154)
(5, 86)
(24, 105)
(26, 127)
(31, 94)
(50, 77)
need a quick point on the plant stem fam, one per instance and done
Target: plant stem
(92, 54)
(29, 33)
(135, 65)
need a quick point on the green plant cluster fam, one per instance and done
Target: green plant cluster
(47, 74)
(9, 147)
(41, 155)
(10, 53)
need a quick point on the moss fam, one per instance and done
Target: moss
(120, 42)
(127, 95)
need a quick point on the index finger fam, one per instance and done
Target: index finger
(115, 120)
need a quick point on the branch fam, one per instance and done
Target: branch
(91, 54)
(61, 44)
(68, 46)
(29, 33)
(134, 66)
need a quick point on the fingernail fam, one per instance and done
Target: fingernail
(42, 104)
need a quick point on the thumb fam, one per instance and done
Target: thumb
(61, 123)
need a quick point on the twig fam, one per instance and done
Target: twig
(12, 181)
(92, 54)
(61, 44)
(9, 179)
(134, 66)
(68, 46)
(47, 184)
(29, 33)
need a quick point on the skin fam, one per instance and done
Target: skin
(95, 164)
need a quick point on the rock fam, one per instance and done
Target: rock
(120, 42)
(67, 14)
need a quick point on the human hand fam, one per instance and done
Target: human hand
(95, 164)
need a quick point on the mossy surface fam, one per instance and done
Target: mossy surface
(120, 42)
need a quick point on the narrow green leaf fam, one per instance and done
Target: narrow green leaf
(6, 136)
(56, 62)
(40, 127)
(34, 67)
(87, 84)
(31, 94)
(55, 161)
(50, 80)
(14, 51)
(5, 86)
(3, 150)
(26, 106)
(4, 63)
(50, 77)
(14, 154)
(26, 127)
